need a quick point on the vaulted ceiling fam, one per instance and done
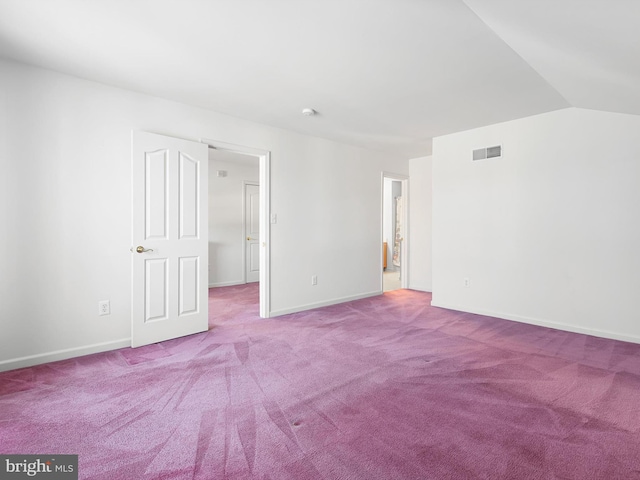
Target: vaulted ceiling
(382, 74)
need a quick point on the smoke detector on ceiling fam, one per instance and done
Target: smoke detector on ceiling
(308, 112)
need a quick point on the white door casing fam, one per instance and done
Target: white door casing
(264, 157)
(169, 222)
(252, 232)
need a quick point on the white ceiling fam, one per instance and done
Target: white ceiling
(383, 74)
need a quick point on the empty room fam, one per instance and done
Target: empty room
(356, 239)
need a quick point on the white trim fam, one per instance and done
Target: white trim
(264, 157)
(421, 288)
(404, 255)
(265, 234)
(335, 301)
(543, 323)
(31, 360)
(233, 147)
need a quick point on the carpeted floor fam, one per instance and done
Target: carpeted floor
(381, 388)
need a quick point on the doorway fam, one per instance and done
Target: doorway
(395, 224)
(237, 171)
(234, 218)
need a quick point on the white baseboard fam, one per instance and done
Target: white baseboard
(40, 358)
(420, 288)
(226, 284)
(544, 323)
(311, 306)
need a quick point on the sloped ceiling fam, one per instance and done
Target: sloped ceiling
(386, 75)
(588, 50)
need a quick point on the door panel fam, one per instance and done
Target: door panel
(189, 183)
(252, 228)
(169, 285)
(156, 203)
(254, 258)
(156, 289)
(188, 288)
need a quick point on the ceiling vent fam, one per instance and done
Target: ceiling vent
(488, 152)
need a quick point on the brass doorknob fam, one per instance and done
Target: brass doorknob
(141, 249)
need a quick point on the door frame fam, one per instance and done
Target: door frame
(245, 183)
(264, 180)
(404, 246)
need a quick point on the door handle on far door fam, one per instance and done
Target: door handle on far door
(249, 238)
(141, 249)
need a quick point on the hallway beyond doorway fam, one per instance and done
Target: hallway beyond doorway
(391, 280)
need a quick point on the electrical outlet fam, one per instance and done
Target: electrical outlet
(104, 307)
(314, 279)
(467, 282)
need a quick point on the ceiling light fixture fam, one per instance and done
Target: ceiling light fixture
(308, 112)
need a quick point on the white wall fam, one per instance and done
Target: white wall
(66, 210)
(226, 209)
(549, 234)
(420, 220)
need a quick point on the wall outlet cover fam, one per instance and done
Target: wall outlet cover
(104, 307)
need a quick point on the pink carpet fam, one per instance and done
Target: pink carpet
(381, 388)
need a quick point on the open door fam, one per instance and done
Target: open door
(169, 238)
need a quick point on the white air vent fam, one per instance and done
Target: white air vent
(488, 152)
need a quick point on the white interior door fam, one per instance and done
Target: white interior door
(252, 230)
(169, 237)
